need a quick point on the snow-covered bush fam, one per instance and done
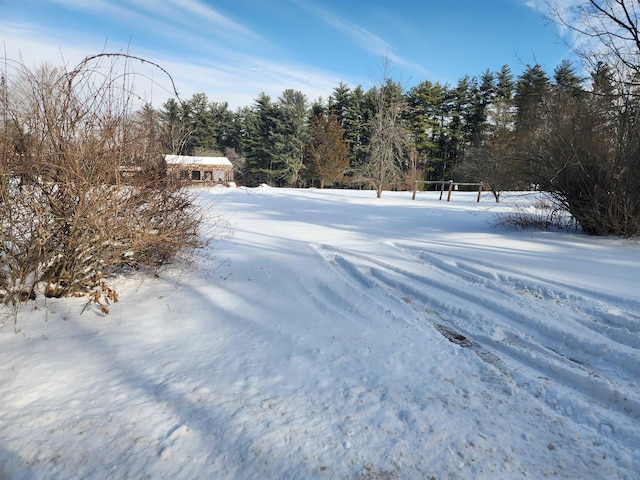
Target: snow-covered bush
(82, 186)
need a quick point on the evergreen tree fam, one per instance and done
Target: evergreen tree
(289, 135)
(533, 84)
(237, 153)
(200, 122)
(532, 91)
(458, 128)
(424, 117)
(356, 126)
(604, 96)
(259, 123)
(482, 97)
(275, 137)
(224, 126)
(340, 103)
(566, 80)
(505, 84)
(353, 112)
(318, 107)
(503, 111)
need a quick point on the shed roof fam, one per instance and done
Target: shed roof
(190, 160)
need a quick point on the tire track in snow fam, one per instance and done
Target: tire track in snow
(577, 310)
(621, 324)
(485, 305)
(509, 308)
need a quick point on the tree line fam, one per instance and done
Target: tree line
(441, 130)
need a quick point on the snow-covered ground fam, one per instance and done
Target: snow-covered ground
(331, 335)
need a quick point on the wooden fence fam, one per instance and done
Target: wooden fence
(451, 184)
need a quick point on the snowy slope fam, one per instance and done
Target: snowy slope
(331, 335)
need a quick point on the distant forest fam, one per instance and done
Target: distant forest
(460, 130)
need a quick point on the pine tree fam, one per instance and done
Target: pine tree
(259, 122)
(356, 126)
(566, 80)
(425, 102)
(505, 84)
(533, 84)
(604, 96)
(200, 122)
(340, 103)
(457, 130)
(482, 97)
(353, 112)
(503, 112)
(288, 136)
(224, 126)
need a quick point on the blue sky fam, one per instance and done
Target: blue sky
(234, 49)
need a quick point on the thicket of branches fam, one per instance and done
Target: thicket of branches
(82, 186)
(585, 147)
(589, 161)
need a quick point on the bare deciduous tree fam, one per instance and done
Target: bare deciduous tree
(607, 32)
(389, 138)
(494, 162)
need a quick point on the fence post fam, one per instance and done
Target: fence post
(450, 188)
(441, 189)
(480, 191)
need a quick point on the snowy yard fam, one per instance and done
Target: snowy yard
(331, 335)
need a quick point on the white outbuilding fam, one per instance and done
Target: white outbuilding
(200, 169)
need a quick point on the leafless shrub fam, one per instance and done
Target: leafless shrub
(589, 163)
(82, 185)
(589, 152)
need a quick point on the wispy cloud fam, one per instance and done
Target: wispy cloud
(225, 70)
(212, 18)
(183, 20)
(240, 83)
(537, 5)
(364, 38)
(32, 45)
